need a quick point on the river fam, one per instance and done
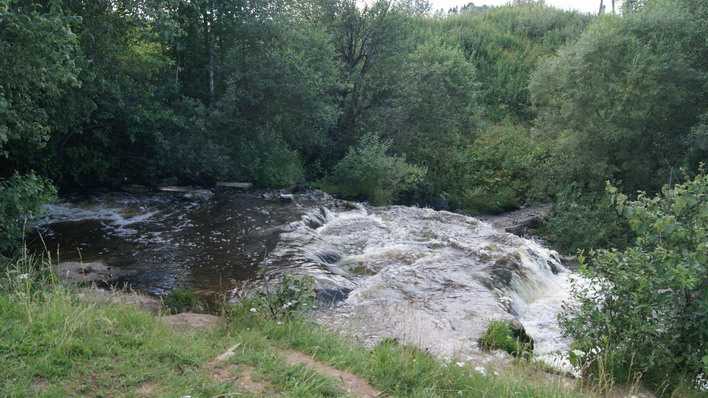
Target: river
(430, 278)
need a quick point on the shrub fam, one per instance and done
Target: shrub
(644, 311)
(582, 220)
(268, 161)
(369, 171)
(501, 166)
(21, 198)
(503, 335)
(182, 300)
(291, 296)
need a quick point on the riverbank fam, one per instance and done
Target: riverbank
(55, 344)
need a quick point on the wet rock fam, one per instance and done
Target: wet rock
(286, 197)
(519, 333)
(440, 203)
(176, 188)
(570, 261)
(503, 271)
(518, 222)
(199, 194)
(299, 188)
(93, 272)
(189, 320)
(329, 257)
(316, 219)
(235, 185)
(331, 295)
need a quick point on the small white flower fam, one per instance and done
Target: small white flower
(253, 310)
(460, 364)
(481, 370)
(23, 276)
(279, 322)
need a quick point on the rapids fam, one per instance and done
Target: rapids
(431, 278)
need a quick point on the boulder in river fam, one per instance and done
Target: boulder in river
(87, 272)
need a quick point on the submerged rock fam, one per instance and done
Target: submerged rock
(89, 272)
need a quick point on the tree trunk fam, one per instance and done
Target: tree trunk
(211, 51)
(208, 16)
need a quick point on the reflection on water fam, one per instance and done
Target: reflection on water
(167, 240)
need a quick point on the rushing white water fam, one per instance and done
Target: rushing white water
(430, 278)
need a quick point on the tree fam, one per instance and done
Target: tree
(433, 116)
(622, 100)
(37, 66)
(369, 171)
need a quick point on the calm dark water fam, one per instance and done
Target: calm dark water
(170, 239)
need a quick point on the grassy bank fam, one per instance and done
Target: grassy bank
(52, 344)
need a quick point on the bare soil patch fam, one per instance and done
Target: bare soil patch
(353, 384)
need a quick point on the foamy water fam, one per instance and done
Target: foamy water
(430, 278)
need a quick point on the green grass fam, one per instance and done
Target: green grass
(53, 345)
(399, 370)
(500, 336)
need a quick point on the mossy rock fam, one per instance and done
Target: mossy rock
(509, 336)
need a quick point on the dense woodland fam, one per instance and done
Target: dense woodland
(477, 110)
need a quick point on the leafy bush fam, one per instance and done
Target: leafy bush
(267, 160)
(290, 297)
(584, 220)
(501, 168)
(21, 198)
(644, 311)
(182, 300)
(368, 171)
(502, 335)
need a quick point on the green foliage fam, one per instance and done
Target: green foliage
(434, 114)
(291, 296)
(37, 65)
(622, 100)
(21, 198)
(583, 221)
(267, 160)
(505, 44)
(180, 300)
(500, 335)
(503, 169)
(644, 311)
(369, 171)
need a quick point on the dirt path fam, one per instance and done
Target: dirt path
(352, 384)
(241, 376)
